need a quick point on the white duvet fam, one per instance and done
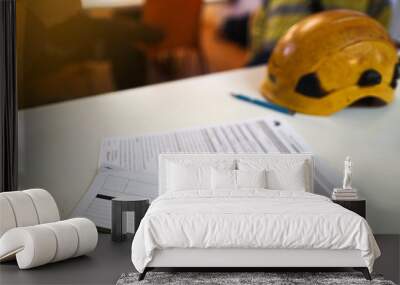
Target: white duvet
(250, 219)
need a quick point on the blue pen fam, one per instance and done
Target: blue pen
(263, 103)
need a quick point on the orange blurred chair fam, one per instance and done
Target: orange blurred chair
(179, 20)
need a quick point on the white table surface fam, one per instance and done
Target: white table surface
(60, 142)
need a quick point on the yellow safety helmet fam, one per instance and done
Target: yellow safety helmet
(330, 60)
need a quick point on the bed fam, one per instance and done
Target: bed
(247, 211)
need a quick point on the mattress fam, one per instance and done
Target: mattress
(250, 219)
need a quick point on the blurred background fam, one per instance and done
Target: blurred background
(69, 49)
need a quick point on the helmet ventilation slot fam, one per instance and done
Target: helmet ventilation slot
(396, 75)
(310, 86)
(369, 77)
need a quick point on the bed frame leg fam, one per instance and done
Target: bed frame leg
(143, 274)
(364, 271)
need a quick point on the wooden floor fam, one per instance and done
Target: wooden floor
(110, 260)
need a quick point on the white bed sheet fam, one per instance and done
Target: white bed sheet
(252, 218)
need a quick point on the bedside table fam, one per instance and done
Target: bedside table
(357, 206)
(119, 207)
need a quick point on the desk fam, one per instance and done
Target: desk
(60, 143)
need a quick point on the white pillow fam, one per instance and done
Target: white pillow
(251, 178)
(291, 179)
(183, 177)
(223, 179)
(282, 174)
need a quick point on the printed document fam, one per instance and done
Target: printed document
(128, 166)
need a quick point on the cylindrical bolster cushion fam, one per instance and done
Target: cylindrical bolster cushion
(46, 207)
(26, 208)
(67, 240)
(33, 246)
(7, 218)
(87, 234)
(23, 208)
(41, 244)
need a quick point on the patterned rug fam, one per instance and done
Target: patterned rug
(243, 278)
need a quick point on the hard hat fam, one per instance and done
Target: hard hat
(330, 60)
